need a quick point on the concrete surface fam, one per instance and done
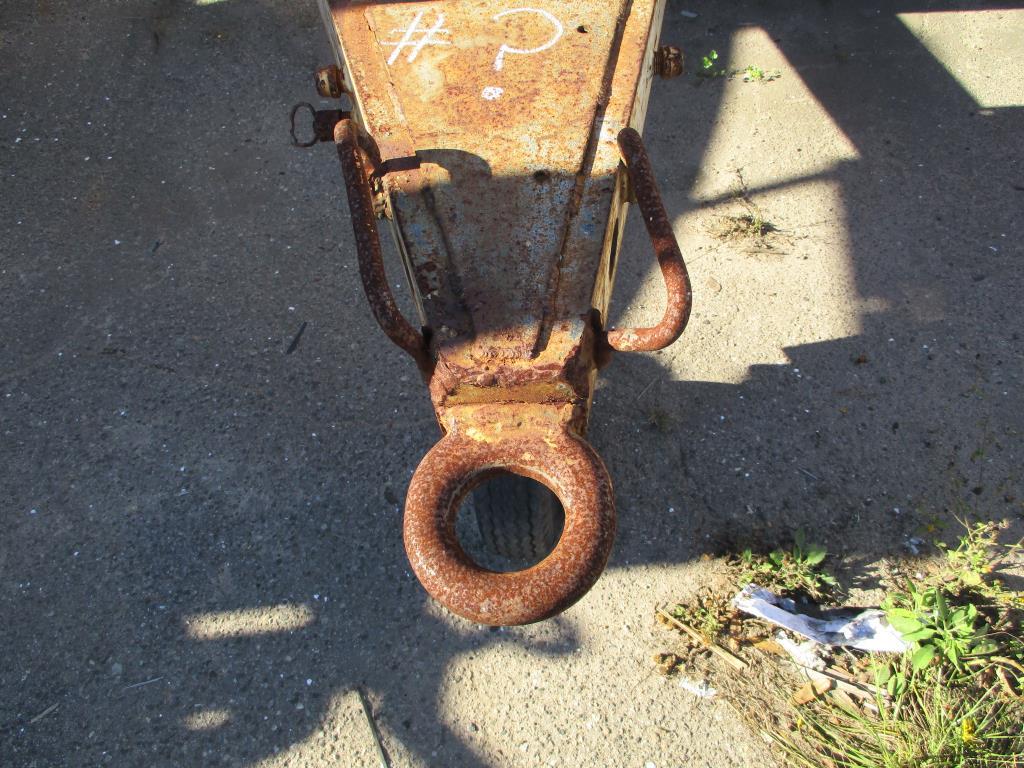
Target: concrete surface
(200, 552)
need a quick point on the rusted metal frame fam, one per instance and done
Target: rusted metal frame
(396, 143)
(522, 418)
(360, 162)
(371, 261)
(666, 248)
(397, 174)
(381, 109)
(583, 177)
(668, 62)
(411, 199)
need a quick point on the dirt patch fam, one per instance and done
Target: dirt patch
(951, 696)
(747, 227)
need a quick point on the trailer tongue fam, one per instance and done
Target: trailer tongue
(500, 143)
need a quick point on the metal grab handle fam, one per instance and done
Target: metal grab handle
(458, 463)
(670, 259)
(371, 262)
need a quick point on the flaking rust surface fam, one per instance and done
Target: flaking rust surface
(514, 188)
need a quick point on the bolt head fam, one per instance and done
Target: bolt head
(329, 82)
(668, 62)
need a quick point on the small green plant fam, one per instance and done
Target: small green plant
(946, 618)
(746, 226)
(709, 67)
(930, 726)
(752, 74)
(972, 556)
(976, 557)
(954, 699)
(934, 628)
(751, 226)
(659, 418)
(709, 613)
(792, 571)
(702, 617)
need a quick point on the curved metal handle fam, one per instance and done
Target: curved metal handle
(458, 463)
(371, 262)
(670, 259)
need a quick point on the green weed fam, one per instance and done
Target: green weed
(954, 699)
(793, 571)
(935, 629)
(752, 74)
(746, 226)
(704, 616)
(709, 66)
(974, 560)
(930, 726)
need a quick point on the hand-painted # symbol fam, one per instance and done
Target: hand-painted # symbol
(426, 37)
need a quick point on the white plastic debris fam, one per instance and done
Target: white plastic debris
(698, 688)
(913, 545)
(867, 631)
(805, 654)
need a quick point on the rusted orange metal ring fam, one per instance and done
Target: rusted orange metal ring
(564, 463)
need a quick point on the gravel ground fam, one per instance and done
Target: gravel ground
(200, 557)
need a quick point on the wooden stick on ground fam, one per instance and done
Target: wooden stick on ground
(44, 713)
(384, 760)
(731, 659)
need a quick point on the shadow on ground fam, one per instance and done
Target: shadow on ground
(164, 457)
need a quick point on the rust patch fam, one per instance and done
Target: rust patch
(668, 62)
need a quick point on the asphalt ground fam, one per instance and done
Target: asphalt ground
(200, 549)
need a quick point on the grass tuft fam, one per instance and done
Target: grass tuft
(955, 699)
